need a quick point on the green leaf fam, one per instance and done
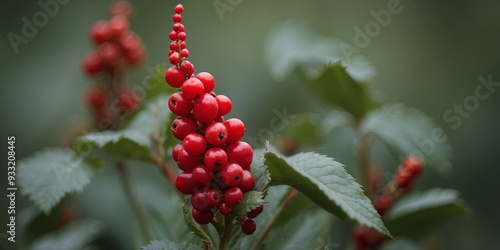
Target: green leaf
(123, 145)
(154, 118)
(407, 131)
(335, 119)
(195, 227)
(335, 86)
(326, 183)
(250, 201)
(259, 171)
(168, 245)
(424, 212)
(48, 176)
(74, 236)
(304, 231)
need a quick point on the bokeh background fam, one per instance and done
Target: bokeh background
(429, 57)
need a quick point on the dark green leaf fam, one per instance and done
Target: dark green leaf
(407, 131)
(424, 212)
(250, 201)
(325, 182)
(72, 237)
(259, 171)
(48, 176)
(195, 227)
(168, 245)
(123, 145)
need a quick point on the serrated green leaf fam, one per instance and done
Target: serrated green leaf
(259, 171)
(122, 145)
(48, 176)
(424, 212)
(250, 201)
(72, 237)
(326, 183)
(195, 227)
(304, 231)
(169, 245)
(407, 131)
(335, 86)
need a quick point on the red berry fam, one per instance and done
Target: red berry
(174, 77)
(177, 27)
(129, 42)
(216, 133)
(187, 162)
(241, 153)
(123, 8)
(184, 183)
(202, 175)
(200, 201)
(403, 178)
(254, 213)
(205, 108)
(214, 197)
(174, 59)
(118, 25)
(174, 46)
(233, 196)
(208, 81)
(179, 8)
(413, 165)
(215, 159)
(194, 144)
(383, 202)
(99, 33)
(247, 181)
(176, 150)
(182, 36)
(231, 174)
(129, 100)
(186, 66)
(136, 57)
(172, 35)
(192, 88)
(202, 217)
(110, 54)
(235, 130)
(219, 119)
(179, 105)
(96, 97)
(248, 227)
(225, 209)
(92, 63)
(184, 53)
(177, 18)
(225, 105)
(183, 46)
(367, 238)
(182, 126)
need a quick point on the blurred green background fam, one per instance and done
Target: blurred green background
(429, 57)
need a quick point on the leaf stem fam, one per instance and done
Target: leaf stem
(226, 236)
(363, 153)
(276, 214)
(134, 204)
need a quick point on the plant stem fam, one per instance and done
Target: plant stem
(134, 204)
(270, 223)
(228, 228)
(363, 153)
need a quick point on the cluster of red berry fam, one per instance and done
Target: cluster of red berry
(117, 48)
(406, 174)
(215, 164)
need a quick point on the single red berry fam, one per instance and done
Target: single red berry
(174, 59)
(136, 57)
(99, 33)
(184, 53)
(219, 119)
(175, 77)
(182, 36)
(110, 54)
(186, 66)
(129, 42)
(216, 133)
(187, 162)
(202, 175)
(177, 18)
(367, 238)
(235, 130)
(233, 196)
(183, 46)
(96, 97)
(118, 25)
(205, 108)
(178, 27)
(413, 165)
(174, 46)
(179, 8)
(248, 227)
(225, 209)
(384, 201)
(128, 100)
(214, 197)
(182, 126)
(179, 105)
(231, 174)
(225, 105)
(192, 88)
(202, 217)
(172, 35)
(184, 183)
(254, 213)
(247, 181)
(194, 144)
(123, 8)
(200, 201)
(241, 153)
(92, 63)
(403, 178)
(176, 150)
(208, 81)
(215, 159)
